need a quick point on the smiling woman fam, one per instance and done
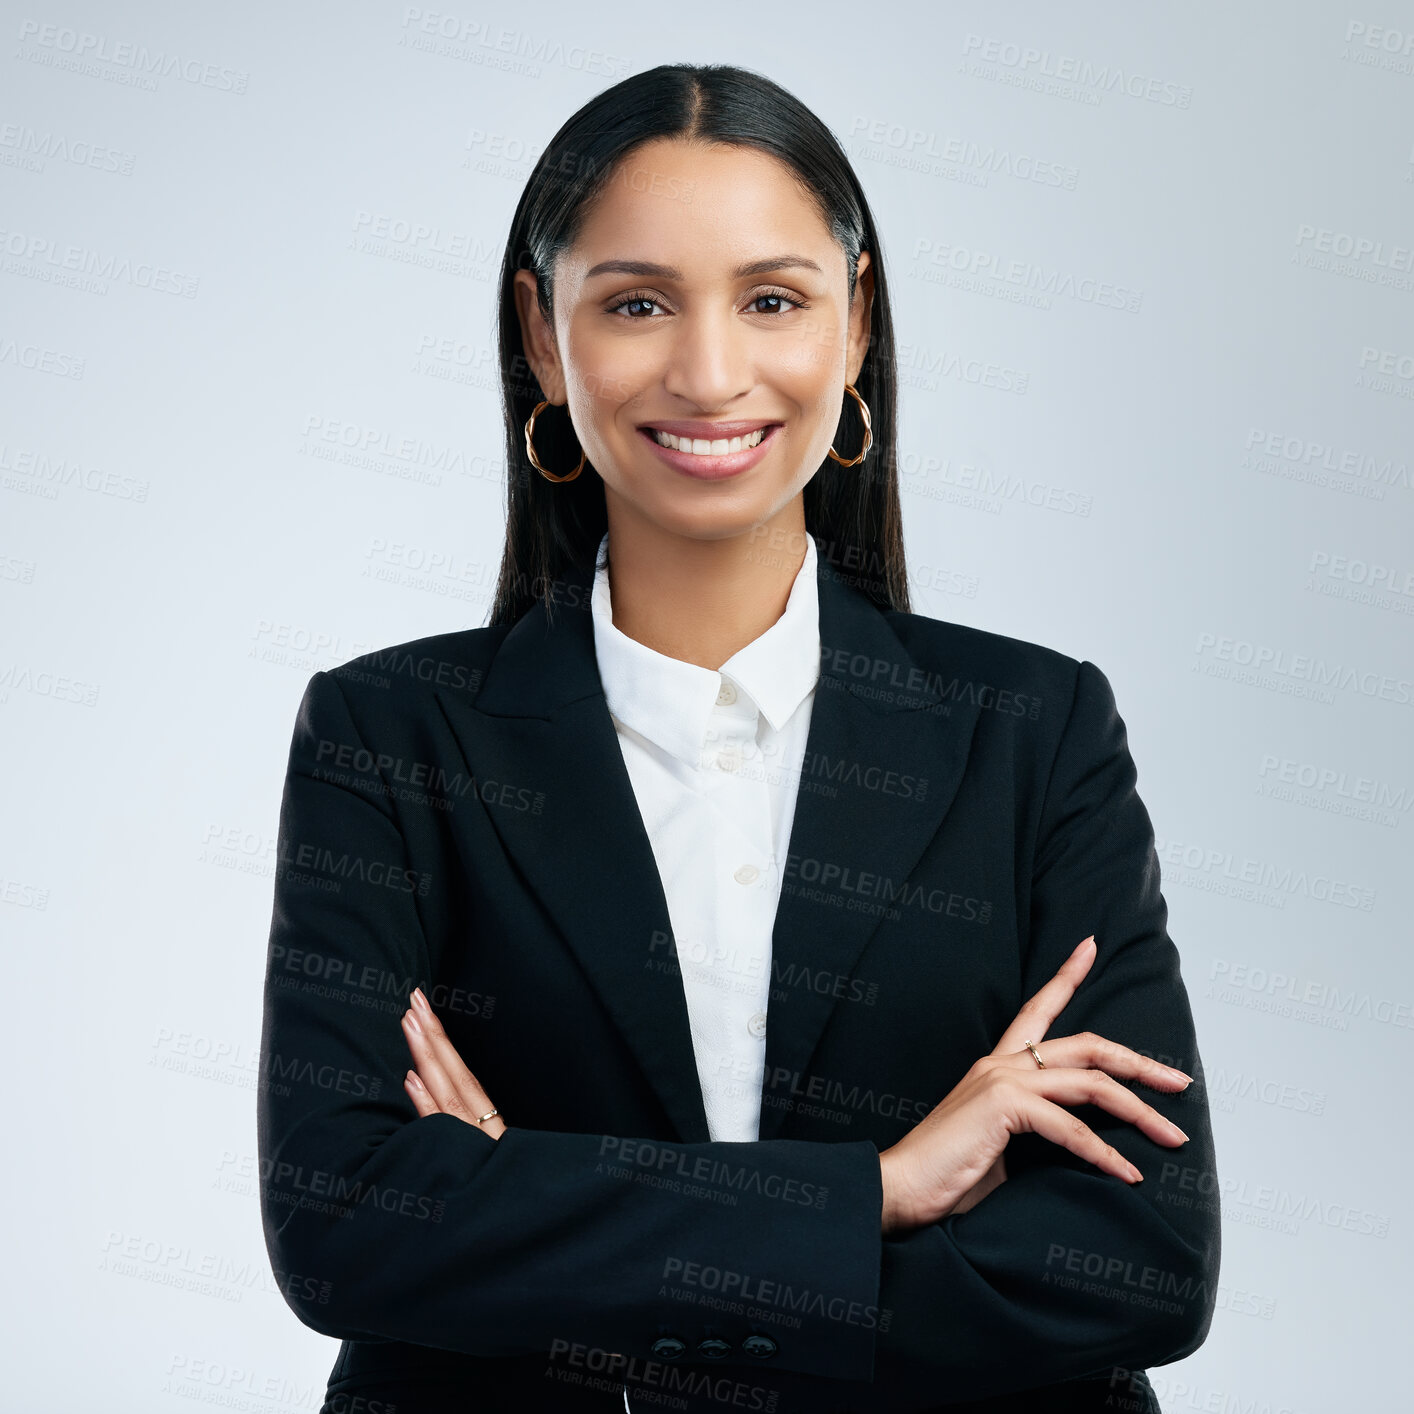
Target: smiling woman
(699, 336)
(783, 964)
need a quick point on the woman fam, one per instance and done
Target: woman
(711, 984)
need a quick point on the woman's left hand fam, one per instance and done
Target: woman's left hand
(993, 1178)
(442, 1084)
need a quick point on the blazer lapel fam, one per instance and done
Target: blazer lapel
(540, 724)
(877, 716)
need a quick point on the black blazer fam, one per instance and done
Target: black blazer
(457, 815)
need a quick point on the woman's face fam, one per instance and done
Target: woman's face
(704, 296)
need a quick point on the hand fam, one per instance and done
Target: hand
(993, 1178)
(935, 1168)
(442, 1084)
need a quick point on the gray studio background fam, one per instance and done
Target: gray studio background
(1153, 271)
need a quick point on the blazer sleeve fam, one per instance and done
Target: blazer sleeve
(1064, 1271)
(381, 1225)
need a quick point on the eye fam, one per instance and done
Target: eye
(778, 297)
(635, 297)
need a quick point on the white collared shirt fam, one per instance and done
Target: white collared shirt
(715, 761)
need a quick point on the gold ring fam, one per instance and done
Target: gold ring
(1037, 1054)
(487, 1116)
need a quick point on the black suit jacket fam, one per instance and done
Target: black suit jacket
(457, 815)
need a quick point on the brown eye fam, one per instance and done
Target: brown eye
(638, 302)
(777, 298)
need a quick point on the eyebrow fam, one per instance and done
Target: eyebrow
(671, 272)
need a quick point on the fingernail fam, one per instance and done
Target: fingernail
(1082, 943)
(419, 1000)
(1135, 1174)
(1179, 1074)
(415, 1080)
(412, 1021)
(1178, 1131)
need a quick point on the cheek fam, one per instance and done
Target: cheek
(816, 351)
(604, 375)
(808, 373)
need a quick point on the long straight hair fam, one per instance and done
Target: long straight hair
(853, 512)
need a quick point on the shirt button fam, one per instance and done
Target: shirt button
(729, 758)
(727, 695)
(757, 1023)
(747, 874)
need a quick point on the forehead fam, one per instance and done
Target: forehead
(704, 207)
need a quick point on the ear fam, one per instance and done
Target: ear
(860, 314)
(537, 336)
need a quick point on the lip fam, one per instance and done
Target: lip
(711, 468)
(710, 431)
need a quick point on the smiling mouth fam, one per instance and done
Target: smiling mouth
(710, 447)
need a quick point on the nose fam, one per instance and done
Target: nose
(710, 361)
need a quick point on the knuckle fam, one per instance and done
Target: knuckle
(1111, 1051)
(1007, 1087)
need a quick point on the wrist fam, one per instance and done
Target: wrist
(893, 1218)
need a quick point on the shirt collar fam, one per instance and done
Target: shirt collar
(670, 702)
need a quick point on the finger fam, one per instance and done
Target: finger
(455, 1089)
(422, 1102)
(1094, 1087)
(1061, 1127)
(449, 1058)
(1087, 1050)
(435, 1080)
(1036, 1015)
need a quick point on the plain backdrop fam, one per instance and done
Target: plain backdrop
(1153, 275)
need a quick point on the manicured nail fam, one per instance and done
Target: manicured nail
(1135, 1174)
(1179, 1074)
(1178, 1131)
(413, 1022)
(415, 1080)
(419, 1001)
(1081, 944)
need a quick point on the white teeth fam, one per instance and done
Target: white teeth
(701, 447)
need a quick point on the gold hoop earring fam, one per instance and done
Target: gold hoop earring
(868, 430)
(530, 447)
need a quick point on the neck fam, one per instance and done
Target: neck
(700, 601)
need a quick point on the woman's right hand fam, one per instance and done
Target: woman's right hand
(933, 1169)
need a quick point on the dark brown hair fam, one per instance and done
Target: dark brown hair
(853, 512)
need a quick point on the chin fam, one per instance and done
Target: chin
(701, 521)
